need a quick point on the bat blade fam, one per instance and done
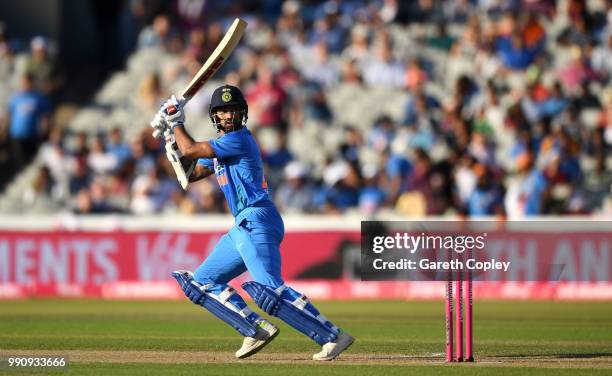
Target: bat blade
(216, 58)
(183, 167)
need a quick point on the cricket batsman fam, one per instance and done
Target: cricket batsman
(253, 242)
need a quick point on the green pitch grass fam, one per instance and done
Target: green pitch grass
(392, 338)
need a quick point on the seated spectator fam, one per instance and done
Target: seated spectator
(206, 199)
(266, 100)
(415, 76)
(391, 10)
(584, 98)
(117, 147)
(441, 39)
(419, 178)
(465, 179)
(143, 187)
(420, 134)
(328, 29)
(344, 184)
(529, 104)
(309, 103)
(276, 159)
(196, 46)
(533, 32)
(371, 196)
(351, 73)
(528, 191)
(383, 70)
(486, 196)
(597, 185)
(143, 160)
(579, 33)
(321, 70)
(381, 134)
(557, 157)
(118, 191)
(352, 144)
(290, 22)
(300, 51)
(179, 202)
(358, 50)
(555, 103)
(164, 188)
(412, 204)
(288, 76)
(100, 161)
(157, 34)
(189, 63)
(397, 170)
(514, 53)
(441, 182)
(82, 202)
(214, 34)
(80, 179)
(40, 195)
(54, 155)
(296, 193)
(464, 96)
(601, 59)
(420, 104)
(99, 197)
(79, 152)
(467, 45)
(575, 71)
(480, 148)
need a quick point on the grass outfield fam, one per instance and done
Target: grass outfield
(393, 337)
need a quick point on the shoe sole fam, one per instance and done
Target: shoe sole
(256, 350)
(335, 356)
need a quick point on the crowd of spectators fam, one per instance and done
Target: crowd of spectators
(29, 78)
(508, 111)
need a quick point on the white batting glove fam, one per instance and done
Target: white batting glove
(173, 112)
(158, 124)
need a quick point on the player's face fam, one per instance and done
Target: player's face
(229, 116)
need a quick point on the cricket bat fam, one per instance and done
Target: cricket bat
(212, 64)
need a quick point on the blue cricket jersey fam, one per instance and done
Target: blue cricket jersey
(239, 171)
(26, 109)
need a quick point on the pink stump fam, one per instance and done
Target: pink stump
(469, 354)
(449, 319)
(459, 318)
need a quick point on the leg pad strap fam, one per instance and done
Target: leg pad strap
(218, 305)
(271, 302)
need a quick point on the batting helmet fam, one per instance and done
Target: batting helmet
(226, 95)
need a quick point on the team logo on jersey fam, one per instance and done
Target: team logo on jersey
(226, 97)
(220, 173)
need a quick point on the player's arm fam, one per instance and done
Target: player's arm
(190, 148)
(200, 172)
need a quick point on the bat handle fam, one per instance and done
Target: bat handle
(158, 134)
(182, 100)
